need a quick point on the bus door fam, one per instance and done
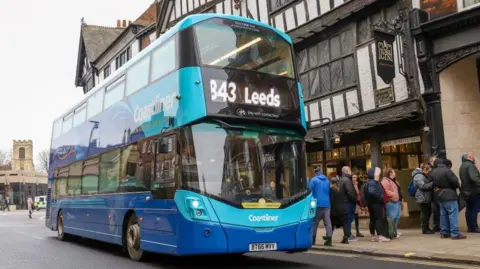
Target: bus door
(159, 209)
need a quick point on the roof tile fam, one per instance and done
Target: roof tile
(98, 38)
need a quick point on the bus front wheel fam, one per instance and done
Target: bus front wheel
(132, 241)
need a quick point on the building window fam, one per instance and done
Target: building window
(107, 71)
(21, 153)
(129, 54)
(121, 60)
(276, 4)
(328, 66)
(467, 3)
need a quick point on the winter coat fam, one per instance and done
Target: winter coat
(423, 185)
(320, 188)
(470, 178)
(346, 184)
(446, 181)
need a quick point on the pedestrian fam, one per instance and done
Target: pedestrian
(30, 206)
(320, 189)
(435, 204)
(358, 205)
(347, 187)
(470, 190)
(7, 204)
(374, 197)
(338, 210)
(446, 184)
(393, 206)
(423, 195)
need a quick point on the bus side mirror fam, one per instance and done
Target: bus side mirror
(327, 140)
(162, 145)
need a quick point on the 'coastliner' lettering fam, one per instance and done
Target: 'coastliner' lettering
(146, 112)
(265, 217)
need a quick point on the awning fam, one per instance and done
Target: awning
(369, 119)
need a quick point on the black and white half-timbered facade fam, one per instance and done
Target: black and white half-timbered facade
(102, 50)
(374, 122)
(447, 39)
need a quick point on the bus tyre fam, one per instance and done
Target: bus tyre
(133, 239)
(60, 229)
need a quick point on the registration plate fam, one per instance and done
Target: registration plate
(263, 246)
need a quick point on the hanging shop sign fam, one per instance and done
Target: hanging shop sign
(385, 58)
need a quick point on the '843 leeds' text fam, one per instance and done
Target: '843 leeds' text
(223, 91)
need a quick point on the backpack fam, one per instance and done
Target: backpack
(411, 189)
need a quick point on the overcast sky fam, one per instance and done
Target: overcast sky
(38, 48)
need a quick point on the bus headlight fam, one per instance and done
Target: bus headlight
(196, 208)
(313, 208)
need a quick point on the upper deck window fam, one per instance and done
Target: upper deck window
(164, 59)
(114, 93)
(234, 44)
(95, 102)
(137, 75)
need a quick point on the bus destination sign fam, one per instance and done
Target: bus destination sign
(250, 94)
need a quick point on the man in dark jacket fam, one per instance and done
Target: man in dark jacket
(470, 190)
(346, 184)
(435, 204)
(446, 184)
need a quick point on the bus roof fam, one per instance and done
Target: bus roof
(185, 23)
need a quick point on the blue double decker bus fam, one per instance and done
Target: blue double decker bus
(195, 146)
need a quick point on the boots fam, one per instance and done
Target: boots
(344, 240)
(328, 241)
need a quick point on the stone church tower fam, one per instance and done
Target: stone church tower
(22, 155)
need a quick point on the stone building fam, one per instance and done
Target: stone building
(18, 179)
(447, 35)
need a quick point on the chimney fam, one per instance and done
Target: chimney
(124, 23)
(129, 22)
(119, 24)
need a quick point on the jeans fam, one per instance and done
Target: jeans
(471, 211)
(394, 210)
(322, 213)
(449, 218)
(376, 217)
(351, 217)
(426, 213)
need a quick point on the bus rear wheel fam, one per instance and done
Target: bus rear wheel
(60, 229)
(132, 236)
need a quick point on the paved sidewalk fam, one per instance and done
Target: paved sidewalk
(412, 244)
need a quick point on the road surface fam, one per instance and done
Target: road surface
(27, 243)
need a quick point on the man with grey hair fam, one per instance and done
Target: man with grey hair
(470, 190)
(346, 184)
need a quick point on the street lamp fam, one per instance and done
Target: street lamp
(336, 139)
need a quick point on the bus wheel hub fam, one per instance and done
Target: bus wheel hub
(133, 236)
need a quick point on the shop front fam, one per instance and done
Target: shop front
(400, 150)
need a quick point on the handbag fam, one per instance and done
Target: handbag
(405, 211)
